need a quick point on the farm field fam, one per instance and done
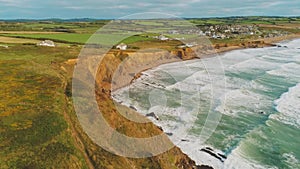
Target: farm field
(10, 40)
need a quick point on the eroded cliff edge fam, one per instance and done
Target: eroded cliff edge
(128, 65)
(111, 62)
(118, 69)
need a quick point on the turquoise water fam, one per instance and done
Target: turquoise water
(260, 107)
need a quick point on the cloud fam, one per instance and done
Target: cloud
(76, 7)
(12, 3)
(143, 4)
(271, 4)
(118, 8)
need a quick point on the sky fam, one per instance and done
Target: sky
(113, 9)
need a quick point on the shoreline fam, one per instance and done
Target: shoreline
(270, 42)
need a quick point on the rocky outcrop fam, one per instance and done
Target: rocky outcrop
(185, 53)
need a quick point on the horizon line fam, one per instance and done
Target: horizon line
(93, 18)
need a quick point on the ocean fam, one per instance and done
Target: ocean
(252, 123)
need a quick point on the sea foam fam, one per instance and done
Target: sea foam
(250, 76)
(288, 106)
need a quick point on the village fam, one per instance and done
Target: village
(230, 31)
(216, 32)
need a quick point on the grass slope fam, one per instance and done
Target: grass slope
(38, 125)
(33, 130)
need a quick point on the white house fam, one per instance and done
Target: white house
(122, 46)
(48, 43)
(162, 37)
(227, 31)
(201, 33)
(189, 45)
(207, 33)
(180, 38)
(192, 44)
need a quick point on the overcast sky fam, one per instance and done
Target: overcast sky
(109, 9)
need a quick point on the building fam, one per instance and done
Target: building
(188, 45)
(122, 46)
(162, 37)
(48, 43)
(192, 44)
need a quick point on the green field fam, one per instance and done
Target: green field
(105, 39)
(62, 37)
(80, 32)
(53, 26)
(33, 130)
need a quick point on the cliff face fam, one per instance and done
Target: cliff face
(117, 70)
(185, 53)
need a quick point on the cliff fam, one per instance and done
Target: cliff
(120, 68)
(116, 70)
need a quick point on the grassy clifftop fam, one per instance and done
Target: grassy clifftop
(33, 130)
(39, 128)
